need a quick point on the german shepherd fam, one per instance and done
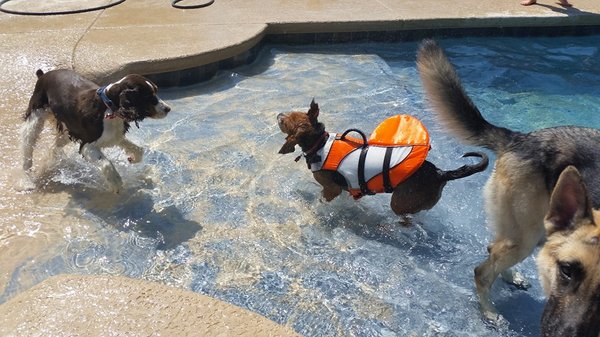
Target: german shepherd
(544, 183)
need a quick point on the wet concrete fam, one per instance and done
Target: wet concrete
(69, 305)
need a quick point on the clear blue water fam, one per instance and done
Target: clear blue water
(213, 208)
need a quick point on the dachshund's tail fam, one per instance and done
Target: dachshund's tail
(467, 170)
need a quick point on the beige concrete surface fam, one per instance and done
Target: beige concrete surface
(70, 305)
(152, 36)
(149, 36)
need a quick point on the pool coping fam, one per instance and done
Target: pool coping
(191, 45)
(204, 72)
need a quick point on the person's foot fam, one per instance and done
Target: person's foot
(528, 2)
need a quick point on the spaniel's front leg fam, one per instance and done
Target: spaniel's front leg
(134, 152)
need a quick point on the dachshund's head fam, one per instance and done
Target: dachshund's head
(301, 128)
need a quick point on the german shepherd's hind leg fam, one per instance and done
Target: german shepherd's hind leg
(515, 278)
(504, 253)
(516, 218)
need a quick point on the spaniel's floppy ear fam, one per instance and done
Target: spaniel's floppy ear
(313, 112)
(125, 98)
(127, 108)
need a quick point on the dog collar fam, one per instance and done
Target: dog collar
(310, 155)
(109, 104)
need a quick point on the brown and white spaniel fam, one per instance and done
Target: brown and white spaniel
(94, 116)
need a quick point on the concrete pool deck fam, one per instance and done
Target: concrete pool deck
(151, 37)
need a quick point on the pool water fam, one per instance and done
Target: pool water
(215, 209)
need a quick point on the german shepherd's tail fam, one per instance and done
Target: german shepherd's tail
(449, 100)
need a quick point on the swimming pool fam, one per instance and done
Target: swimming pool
(213, 207)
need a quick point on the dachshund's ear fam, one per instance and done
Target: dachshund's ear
(313, 112)
(292, 139)
(289, 146)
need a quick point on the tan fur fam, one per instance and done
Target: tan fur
(516, 200)
(581, 245)
(569, 262)
(330, 189)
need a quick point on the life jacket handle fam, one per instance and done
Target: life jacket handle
(362, 134)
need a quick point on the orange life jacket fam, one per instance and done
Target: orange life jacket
(395, 150)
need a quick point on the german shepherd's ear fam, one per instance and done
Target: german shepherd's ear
(313, 112)
(570, 205)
